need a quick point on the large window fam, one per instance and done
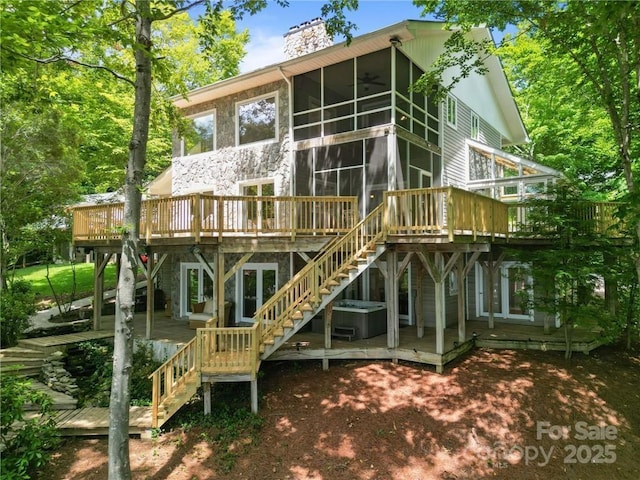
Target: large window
(257, 120)
(200, 135)
(347, 169)
(510, 293)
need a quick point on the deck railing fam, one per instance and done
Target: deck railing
(180, 370)
(307, 284)
(601, 218)
(445, 210)
(228, 349)
(201, 215)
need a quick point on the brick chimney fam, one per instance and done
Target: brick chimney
(305, 38)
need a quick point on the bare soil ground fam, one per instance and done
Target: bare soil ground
(493, 414)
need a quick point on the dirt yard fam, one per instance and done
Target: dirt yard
(494, 414)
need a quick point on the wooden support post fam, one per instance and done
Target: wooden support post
(101, 261)
(440, 320)
(328, 329)
(420, 320)
(491, 286)
(460, 276)
(206, 392)
(254, 395)
(150, 293)
(393, 302)
(219, 288)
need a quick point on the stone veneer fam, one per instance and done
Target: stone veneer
(305, 38)
(221, 171)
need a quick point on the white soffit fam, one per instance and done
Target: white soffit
(361, 45)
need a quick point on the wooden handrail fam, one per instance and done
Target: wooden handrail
(199, 215)
(445, 210)
(306, 285)
(228, 349)
(176, 371)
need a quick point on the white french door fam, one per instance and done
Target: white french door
(257, 282)
(195, 285)
(511, 292)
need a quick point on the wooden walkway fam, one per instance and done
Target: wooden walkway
(94, 421)
(54, 343)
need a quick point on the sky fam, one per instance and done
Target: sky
(267, 27)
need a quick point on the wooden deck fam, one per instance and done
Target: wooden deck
(54, 343)
(309, 345)
(94, 421)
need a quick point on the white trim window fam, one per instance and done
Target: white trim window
(452, 111)
(257, 120)
(200, 136)
(195, 286)
(512, 292)
(475, 126)
(256, 283)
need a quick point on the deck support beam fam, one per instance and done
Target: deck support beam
(460, 277)
(101, 261)
(218, 294)
(420, 320)
(254, 395)
(391, 295)
(206, 392)
(328, 329)
(491, 267)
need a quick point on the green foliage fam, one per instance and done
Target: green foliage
(16, 305)
(97, 359)
(28, 448)
(229, 426)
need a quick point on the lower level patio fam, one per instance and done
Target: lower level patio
(169, 335)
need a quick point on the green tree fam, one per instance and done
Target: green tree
(566, 272)
(127, 25)
(599, 40)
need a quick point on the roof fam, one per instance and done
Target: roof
(408, 32)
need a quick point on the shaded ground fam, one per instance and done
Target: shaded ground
(365, 420)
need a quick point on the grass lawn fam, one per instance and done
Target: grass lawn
(61, 277)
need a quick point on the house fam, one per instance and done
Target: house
(322, 196)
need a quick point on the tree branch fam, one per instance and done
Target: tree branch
(62, 58)
(185, 8)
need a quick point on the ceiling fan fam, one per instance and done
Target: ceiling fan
(367, 81)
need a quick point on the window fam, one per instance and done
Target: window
(475, 126)
(257, 282)
(452, 112)
(259, 214)
(195, 286)
(511, 293)
(200, 135)
(257, 120)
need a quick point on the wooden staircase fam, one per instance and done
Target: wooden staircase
(237, 352)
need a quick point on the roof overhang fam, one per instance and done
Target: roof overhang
(405, 31)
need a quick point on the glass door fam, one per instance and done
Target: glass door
(257, 282)
(195, 286)
(259, 214)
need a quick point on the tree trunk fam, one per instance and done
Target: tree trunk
(119, 465)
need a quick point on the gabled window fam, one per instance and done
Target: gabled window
(200, 136)
(257, 120)
(475, 127)
(452, 111)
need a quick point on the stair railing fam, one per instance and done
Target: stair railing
(175, 372)
(306, 285)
